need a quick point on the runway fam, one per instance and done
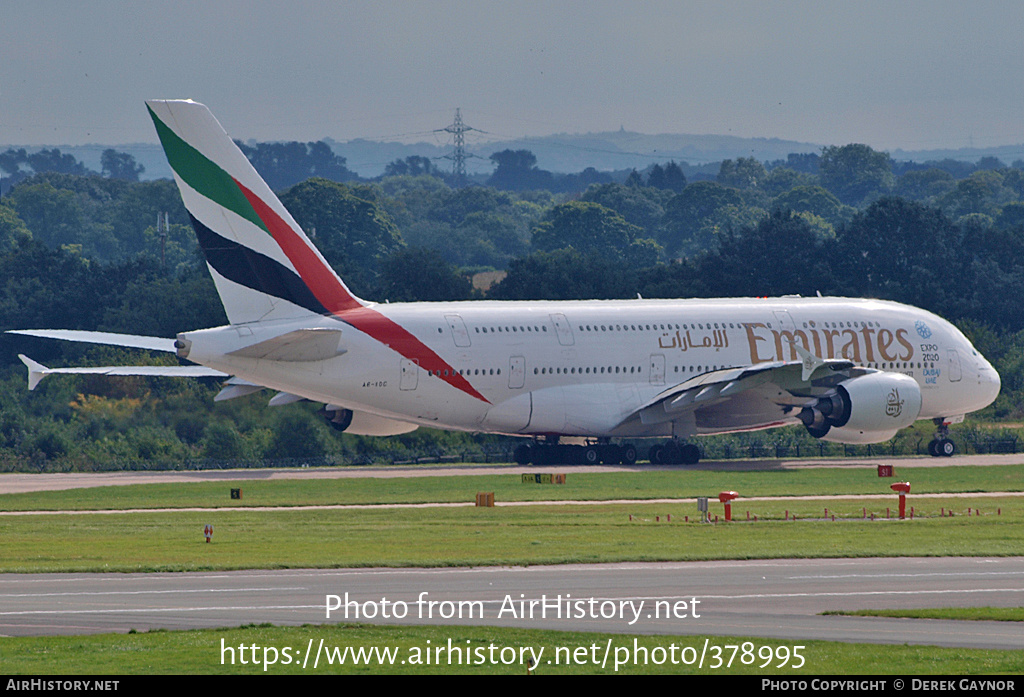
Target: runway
(779, 599)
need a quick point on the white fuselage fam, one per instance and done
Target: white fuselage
(581, 368)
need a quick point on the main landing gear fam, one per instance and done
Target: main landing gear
(551, 452)
(674, 453)
(941, 445)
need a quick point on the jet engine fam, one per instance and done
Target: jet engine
(866, 409)
(362, 424)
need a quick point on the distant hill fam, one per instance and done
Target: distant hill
(149, 155)
(610, 151)
(1007, 153)
(564, 153)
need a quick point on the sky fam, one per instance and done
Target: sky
(893, 74)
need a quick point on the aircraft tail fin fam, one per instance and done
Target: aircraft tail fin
(262, 263)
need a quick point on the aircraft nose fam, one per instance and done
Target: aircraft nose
(989, 381)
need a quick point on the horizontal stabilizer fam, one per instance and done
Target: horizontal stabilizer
(151, 343)
(37, 371)
(298, 346)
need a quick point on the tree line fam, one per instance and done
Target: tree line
(84, 251)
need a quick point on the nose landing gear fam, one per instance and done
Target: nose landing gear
(941, 445)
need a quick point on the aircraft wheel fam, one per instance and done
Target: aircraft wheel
(933, 448)
(671, 455)
(945, 448)
(522, 454)
(690, 454)
(628, 456)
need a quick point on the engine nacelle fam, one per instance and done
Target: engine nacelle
(866, 409)
(854, 437)
(362, 424)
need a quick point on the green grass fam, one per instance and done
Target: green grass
(1000, 614)
(681, 483)
(200, 651)
(173, 540)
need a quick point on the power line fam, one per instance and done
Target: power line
(458, 129)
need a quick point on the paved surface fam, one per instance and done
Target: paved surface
(13, 483)
(780, 598)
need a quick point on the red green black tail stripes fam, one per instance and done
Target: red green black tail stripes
(249, 268)
(250, 240)
(211, 181)
(318, 276)
(202, 174)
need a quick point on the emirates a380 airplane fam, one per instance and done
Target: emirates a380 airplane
(851, 371)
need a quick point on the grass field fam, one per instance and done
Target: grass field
(569, 653)
(680, 483)
(516, 535)
(519, 535)
(980, 614)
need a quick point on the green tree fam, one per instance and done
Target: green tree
(120, 165)
(416, 274)
(222, 442)
(783, 179)
(285, 164)
(791, 257)
(982, 192)
(411, 166)
(814, 200)
(1011, 216)
(566, 274)
(54, 160)
(583, 226)
(353, 233)
(901, 250)
(924, 185)
(743, 173)
(670, 177)
(55, 216)
(637, 205)
(12, 228)
(686, 226)
(855, 173)
(516, 170)
(297, 434)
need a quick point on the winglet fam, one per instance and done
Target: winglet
(36, 371)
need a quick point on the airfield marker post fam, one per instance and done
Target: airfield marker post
(726, 498)
(902, 488)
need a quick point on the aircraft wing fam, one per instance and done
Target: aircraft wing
(38, 371)
(152, 343)
(736, 399)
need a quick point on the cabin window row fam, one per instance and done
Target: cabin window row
(899, 366)
(653, 327)
(510, 330)
(587, 370)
